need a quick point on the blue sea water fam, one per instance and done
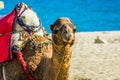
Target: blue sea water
(88, 15)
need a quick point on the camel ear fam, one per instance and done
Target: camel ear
(51, 27)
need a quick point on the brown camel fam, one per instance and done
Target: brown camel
(26, 20)
(36, 61)
(41, 64)
(63, 35)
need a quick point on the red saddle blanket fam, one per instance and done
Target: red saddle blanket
(6, 23)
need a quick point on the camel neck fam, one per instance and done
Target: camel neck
(62, 52)
(61, 62)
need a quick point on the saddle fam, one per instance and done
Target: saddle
(6, 29)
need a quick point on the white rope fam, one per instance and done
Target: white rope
(3, 72)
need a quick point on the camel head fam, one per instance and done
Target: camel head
(26, 23)
(26, 18)
(63, 31)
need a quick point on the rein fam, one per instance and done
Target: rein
(21, 60)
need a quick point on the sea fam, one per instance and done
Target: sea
(87, 15)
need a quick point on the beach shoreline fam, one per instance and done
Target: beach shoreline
(92, 60)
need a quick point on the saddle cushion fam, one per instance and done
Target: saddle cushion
(5, 52)
(6, 23)
(5, 39)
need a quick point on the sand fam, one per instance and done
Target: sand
(96, 61)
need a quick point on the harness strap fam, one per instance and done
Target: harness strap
(28, 27)
(21, 60)
(3, 71)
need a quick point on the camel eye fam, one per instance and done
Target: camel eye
(74, 30)
(55, 31)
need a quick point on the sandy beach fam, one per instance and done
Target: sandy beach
(98, 60)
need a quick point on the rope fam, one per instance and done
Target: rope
(3, 72)
(21, 60)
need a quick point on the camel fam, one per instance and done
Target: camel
(21, 25)
(46, 58)
(63, 35)
(42, 65)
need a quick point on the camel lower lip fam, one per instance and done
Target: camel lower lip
(67, 40)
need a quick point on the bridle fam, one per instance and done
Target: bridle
(20, 9)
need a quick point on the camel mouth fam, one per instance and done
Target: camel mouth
(67, 33)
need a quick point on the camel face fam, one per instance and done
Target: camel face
(25, 23)
(63, 31)
(26, 18)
